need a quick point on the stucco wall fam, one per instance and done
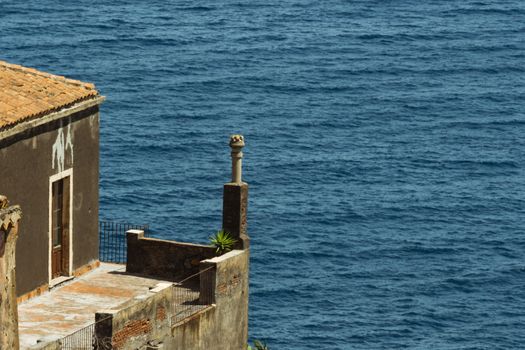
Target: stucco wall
(28, 161)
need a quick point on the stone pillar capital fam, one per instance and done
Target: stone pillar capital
(236, 144)
(236, 141)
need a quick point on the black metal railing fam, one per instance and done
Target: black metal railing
(192, 294)
(85, 339)
(80, 340)
(112, 240)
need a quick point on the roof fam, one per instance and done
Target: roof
(27, 94)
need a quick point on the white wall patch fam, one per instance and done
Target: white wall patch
(61, 145)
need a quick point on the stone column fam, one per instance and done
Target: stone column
(9, 218)
(235, 199)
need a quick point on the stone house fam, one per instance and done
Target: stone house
(49, 151)
(59, 293)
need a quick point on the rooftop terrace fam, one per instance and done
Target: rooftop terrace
(72, 306)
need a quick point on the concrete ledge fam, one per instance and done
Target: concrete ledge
(224, 257)
(160, 287)
(86, 268)
(176, 243)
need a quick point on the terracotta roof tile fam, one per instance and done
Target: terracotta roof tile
(26, 93)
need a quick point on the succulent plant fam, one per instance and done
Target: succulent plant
(222, 241)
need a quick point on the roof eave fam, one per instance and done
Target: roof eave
(63, 113)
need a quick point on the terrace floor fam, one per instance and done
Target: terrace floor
(72, 306)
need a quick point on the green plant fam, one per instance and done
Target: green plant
(222, 241)
(258, 346)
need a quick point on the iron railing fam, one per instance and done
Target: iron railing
(112, 241)
(85, 339)
(192, 294)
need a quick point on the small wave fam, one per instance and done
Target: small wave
(485, 11)
(485, 163)
(140, 41)
(464, 164)
(425, 250)
(486, 123)
(200, 8)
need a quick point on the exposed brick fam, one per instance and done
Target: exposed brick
(131, 329)
(222, 288)
(161, 313)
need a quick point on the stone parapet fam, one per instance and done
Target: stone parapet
(143, 322)
(162, 258)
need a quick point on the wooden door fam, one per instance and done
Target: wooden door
(60, 228)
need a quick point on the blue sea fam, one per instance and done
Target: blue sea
(385, 151)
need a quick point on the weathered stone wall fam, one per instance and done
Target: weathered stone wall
(145, 323)
(28, 161)
(224, 326)
(9, 218)
(235, 212)
(166, 259)
(197, 331)
(145, 320)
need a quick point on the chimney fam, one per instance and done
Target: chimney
(9, 218)
(235, 199)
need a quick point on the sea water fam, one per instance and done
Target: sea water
(385, 151)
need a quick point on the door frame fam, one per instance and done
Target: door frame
(54, 178)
